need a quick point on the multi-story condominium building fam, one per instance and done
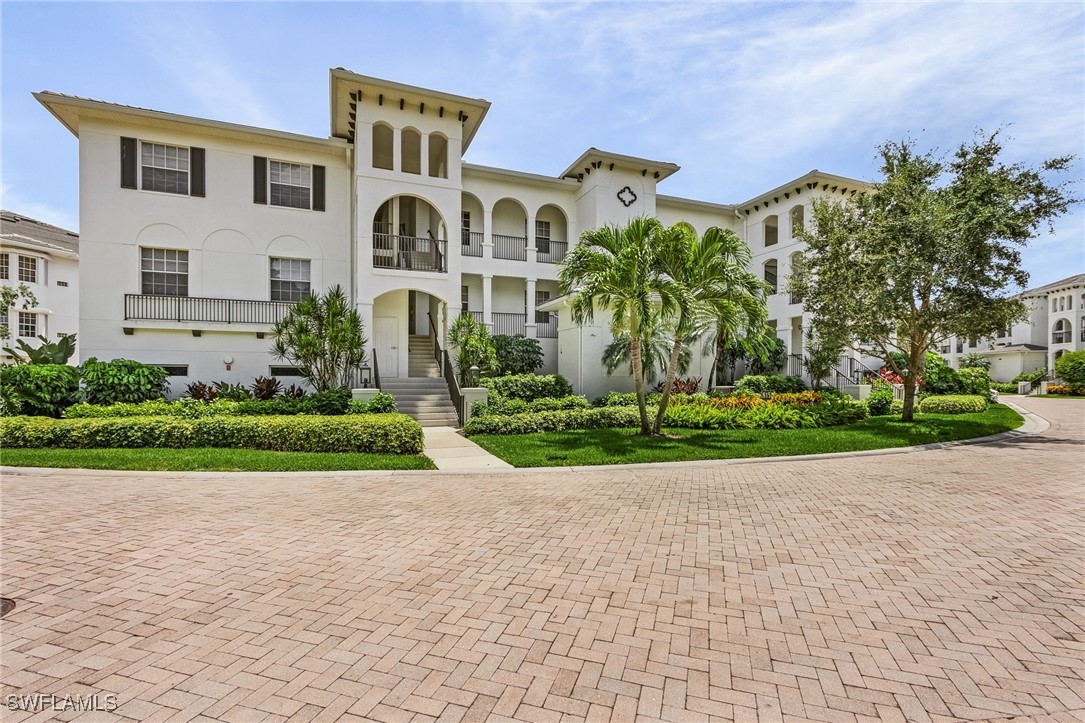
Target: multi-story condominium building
(198, 234)
(44, 259)
(1055, 325)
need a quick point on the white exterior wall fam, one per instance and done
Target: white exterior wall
(57, 309)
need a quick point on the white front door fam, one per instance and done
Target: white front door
(386, 343)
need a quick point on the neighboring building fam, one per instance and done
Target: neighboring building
(46, 259)
(1055, 325)
(197, 234)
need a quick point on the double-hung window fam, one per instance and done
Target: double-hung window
(163, 168)
(5, 266)
(465, 299)
(163, 272)
(290, 279)
(291, 184)
(541, 297)
(542, 236)
(28, 269)
(28, 324)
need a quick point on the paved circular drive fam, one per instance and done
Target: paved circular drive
(936, 585)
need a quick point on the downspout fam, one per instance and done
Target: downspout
(353, 228)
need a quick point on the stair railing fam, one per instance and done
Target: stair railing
(376, 371)
(447, 372)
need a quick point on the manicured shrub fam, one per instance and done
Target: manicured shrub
(974, 380)
(232, 392)
(378, 433)
(762, 384)
(626, 399)
(1035, 376)
(554, 421)
(122, 380)
(529, 386)
(330, 402)
(516, 354)
(1005, 388)
(689, 385)
(1070, 368)
(1076, 390)
(880, 402)
(939, 378)
(39, 389)
(382, 403)
(500, 405)
(953, 404)
(800, 399)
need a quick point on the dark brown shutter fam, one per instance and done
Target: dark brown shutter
(259, 179)
(318, 188)
(196, 167)
(129, 158)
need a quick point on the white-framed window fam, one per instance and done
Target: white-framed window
(163, 168)
(5, 321)
(542, 236)
(290, 279)
(291, 184)
(465, 295)
(541, 297)
(5, 266)
(163, 272)
(28, 324)
(28, 269)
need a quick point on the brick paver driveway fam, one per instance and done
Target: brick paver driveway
(926, 586)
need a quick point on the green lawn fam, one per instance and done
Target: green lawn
(209, 459)
(618, 446)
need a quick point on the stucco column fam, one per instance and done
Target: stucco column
(530, 310)
(365, 310)
(397, 152)
(487, 235)
(487, 299)
(423, 162)
(532, 252)
(570, 237)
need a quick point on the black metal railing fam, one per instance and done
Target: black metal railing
(477, 315)
(448, 372)
(510, 247)
(376, 371)
(548, 328)
(550, 252)
(771, 280)
(410, 253)
(795, 365)
(198, 308)
(472, 243)
(509, 324)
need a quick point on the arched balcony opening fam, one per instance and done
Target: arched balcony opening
(438, 156)
(382, 146)
(471, 226)
(798, 218)
(551, 229)
(772, 230)
(410, 151)
(510, 230)
(409, 234)
(1060, 334)
(771, 277)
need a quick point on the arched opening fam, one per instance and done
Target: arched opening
(772, 230)
(510, 230)
(1061, 333)
(407, 323)
(771, 275)
(409, 234)
(550, 234)
(798, 219)
(794, 261)
(410, 151)
(438, 156)
(471, 222)
(382, 146)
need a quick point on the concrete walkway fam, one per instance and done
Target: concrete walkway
(450, 450)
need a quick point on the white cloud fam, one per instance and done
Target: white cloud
(14, 201)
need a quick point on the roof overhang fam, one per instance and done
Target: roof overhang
(815, 180)
(18, 241)
(594, 158)
(72, 110)
(346, 85)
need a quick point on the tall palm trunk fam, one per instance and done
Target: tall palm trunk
(721, 345)
(672, 372)
(638, 383)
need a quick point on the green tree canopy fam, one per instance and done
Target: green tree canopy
(930, 252)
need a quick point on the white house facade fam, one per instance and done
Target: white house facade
(45, 259)
(196, 235)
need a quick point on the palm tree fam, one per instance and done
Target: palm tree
(616, 269)
(712, 288)
(655, 350)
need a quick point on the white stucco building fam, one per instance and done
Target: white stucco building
(197, 234)
(44, 258)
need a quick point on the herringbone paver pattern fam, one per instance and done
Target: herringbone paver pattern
(934, 586)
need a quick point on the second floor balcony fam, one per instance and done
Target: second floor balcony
(151, 307)
(409, 253)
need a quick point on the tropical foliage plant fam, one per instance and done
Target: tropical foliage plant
(323, 337)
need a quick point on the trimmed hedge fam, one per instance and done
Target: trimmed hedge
(529, 387)
(627, 399)
(38, 389)
(555, 421)
(500, 405)
(379, 433)
(880, 402)
(953, 404)
(1075, 390)
(770, 383)
(192, 408)
(1005, 387)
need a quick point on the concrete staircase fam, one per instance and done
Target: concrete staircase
(423, 394)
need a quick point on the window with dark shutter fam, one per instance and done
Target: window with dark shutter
(196, 169)
(318, 188)
(129, 162)
(259, 179)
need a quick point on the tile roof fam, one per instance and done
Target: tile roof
(23, 229)
(1075, 280)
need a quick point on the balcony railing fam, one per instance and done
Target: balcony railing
(409, 253)
(548, 328)
(510, 247)
(149, 307)
(509, 324)
(472, 243)
(476, 314)
(550, 252)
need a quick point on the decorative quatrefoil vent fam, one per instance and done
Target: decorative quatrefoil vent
(627, 197)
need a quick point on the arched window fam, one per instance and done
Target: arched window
(382, 146)
(1083, 328)
(1054, 304)
(410, 151)
(798, 219)
(438, 156)
(772, 230)
(770, 275)
(1061, 332)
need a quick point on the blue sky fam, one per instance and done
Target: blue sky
(743, 96)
